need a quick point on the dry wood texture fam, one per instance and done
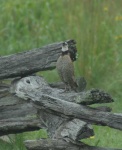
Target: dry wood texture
(44, 97)
(17, 116)
(26, 63)
(47, 144)
(30, 103)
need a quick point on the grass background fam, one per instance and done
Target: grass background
(96, 25)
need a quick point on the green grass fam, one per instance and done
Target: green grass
(15, 142)
(96, 25)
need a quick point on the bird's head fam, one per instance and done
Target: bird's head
(64, 47)
(68, 49)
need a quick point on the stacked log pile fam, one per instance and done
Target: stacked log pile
(29, 103)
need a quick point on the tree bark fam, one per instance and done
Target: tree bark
(72, 110)
(74, 130)
(85, 97)
(18, 125)
(46, 98)
(17, 116)
(47, 144)
(28, 62)
(41, 106)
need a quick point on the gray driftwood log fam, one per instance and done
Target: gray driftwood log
(17, 116)
(46, 144)
(74, 130)
(56, 102)
(26, 63)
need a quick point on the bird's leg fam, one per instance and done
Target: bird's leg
(67, 88)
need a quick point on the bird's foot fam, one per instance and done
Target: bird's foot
(64, 91)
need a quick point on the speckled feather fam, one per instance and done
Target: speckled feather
(65, 70)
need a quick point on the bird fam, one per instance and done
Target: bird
(65, 68)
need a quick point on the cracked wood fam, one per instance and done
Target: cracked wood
(32, 61)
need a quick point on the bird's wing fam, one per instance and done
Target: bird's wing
(68, 73)
(59, 68)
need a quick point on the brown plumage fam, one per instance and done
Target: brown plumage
(65, 70)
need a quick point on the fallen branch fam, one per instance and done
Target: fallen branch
(72, 110)
(17, 116)
(74, 130)
(26, 63)
(47, 144)
(18, 125)
(34, 89)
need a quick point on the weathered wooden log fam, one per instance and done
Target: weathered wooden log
(50, 121)
(22, 117)
(4, 89)
(29, 88)
(104, 108)
(73, 110)
(26, 63)
(89, 97)
(17, 115)
(18, 125)
(85, 97)
(12, 107)
(47, 144)
(70, 130)
(74, 130)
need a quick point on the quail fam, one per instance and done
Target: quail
(65, 68)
